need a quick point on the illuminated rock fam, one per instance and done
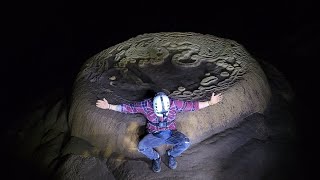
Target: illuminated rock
(167, 62)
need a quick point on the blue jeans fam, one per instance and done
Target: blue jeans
(179, 141)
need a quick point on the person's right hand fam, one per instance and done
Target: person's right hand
(103, 104)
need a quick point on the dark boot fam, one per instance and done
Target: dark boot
(156, 165)
(172, 161)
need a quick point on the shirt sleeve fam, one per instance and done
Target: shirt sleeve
(133, 108)
(184, 106)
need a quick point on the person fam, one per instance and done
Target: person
(160, 112)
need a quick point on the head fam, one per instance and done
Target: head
(161, 104)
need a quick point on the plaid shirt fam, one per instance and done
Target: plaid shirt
(146, 108)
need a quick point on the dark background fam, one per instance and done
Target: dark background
(45, 44)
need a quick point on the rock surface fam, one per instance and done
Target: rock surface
(187, 66)
(258, 144)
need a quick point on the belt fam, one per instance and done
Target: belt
(161, 124)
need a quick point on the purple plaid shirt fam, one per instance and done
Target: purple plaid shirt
(146, 108)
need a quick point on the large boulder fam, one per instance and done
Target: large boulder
(187, 66)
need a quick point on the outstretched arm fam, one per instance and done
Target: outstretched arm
(104, 104)
(214, 100)
(137, 107)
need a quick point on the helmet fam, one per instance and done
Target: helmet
(161, 104)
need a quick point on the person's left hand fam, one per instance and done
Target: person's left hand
(215, 98)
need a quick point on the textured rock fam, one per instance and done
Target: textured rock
(79, 167)
(177, 63)
(203, 161)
